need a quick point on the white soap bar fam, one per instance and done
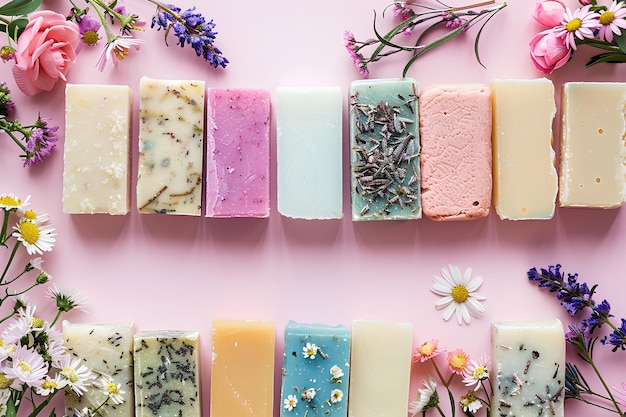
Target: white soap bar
(309, 132)
(380, 368)
(106, 349)
(593, 148)
(96, 149)
(171, 132)
(529, 366)
(525, 179)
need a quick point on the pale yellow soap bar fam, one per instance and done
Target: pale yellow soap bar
(96, 149)
(525, 182)
(593, 151)
(242, 372)
(380, 368)
(171, 137)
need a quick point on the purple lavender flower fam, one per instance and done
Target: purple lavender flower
(574, 296)
(617, 338)
(41, 140)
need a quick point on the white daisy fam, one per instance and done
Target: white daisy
(66, 299)
(459, 294)
(309, 394)
(476, 372)
(77, 375)
(51, 385)
(290, 402)
(309, 350)
(112, 390)
(336, 372)
(336, 396)
(426, 397)
(10, 202)
(35, 237)
(26, 367)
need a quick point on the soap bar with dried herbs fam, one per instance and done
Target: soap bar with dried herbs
(384, 150)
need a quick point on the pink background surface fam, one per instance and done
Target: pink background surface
(169, 272)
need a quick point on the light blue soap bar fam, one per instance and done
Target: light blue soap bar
(384, 150)
(316, 371)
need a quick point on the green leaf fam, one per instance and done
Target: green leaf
(607, 58)
(11, 411)
(621, 41)
(19, 7)
(452, 402)
(53, 413)
(15, 27)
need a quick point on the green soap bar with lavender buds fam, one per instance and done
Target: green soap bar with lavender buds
(384, 150)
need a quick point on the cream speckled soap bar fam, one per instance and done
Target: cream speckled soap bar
(96, 149)
(171, 131)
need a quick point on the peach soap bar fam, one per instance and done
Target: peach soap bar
(316, 370)
(593, 147)
(106, 349)
(528, 360)
(238, 153)
(309, 152)
(525, 179)
(385, 146)
(171, 138)
(167, 374)
(380, 368)
(455, 131)
(242, 371)
(96, 151)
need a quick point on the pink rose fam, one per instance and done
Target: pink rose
(549, 52)
(45, 51)
(549, 13)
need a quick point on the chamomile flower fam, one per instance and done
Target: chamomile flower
(476, 372)
(290, 402)
(37, 238)
(26, 367)
(111, 389)
(578, 24)
(459, 294)
(612, 21)
(458, 361)
(470, 403)
(50, 385)
(77, 376)
(309, 350)
(426, 398)
(309, 394)
(66, 299)
(336, 396)
(10, 202)
(426, 351)
(336, 372)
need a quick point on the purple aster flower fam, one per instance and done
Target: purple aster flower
(89, 27)
(41, 140)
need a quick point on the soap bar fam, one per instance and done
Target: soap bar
(167, 374)
(529, 366)
(593, 148)
(316, 370)
(380, 368)
(455, 133)
(105, 349)
(238, 153)
(171, 137)
(242, 371)
(309, 152)
(96, 150)
(525, 179)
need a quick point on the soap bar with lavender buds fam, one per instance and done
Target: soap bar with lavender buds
(167, 374)
(316, 370)
(384, 150)
(529, 367)
(106, 349)
(238, 153)
(171, 137)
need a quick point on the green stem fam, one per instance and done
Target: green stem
(606, 387)
(5, 227)
(43, 404)
(10, 260)
(56, 317)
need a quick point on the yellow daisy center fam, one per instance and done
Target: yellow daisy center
(25, 367)
(112, 388)
(458, 361)
(37, 323)
(29, 232)
(70, 374)
(460, 294)
(49, 384)
(479, 372)
(1, 342)
(5, 382)
(427, 349)
(607, 17)
(91, 38)
(9, 201)
(30, 215)
(573, 25)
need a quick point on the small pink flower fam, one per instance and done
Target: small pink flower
(458, 361)
(548, 51)
(45, 51)
(578, 24)
(612, 21)
(549, 13)
(427, 351)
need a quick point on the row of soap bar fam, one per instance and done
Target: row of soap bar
(445, 154)
(358, 371)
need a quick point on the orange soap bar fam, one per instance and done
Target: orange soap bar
(242, 372)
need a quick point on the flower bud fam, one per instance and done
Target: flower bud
(42, 278)
(549, 13)
(549, 52)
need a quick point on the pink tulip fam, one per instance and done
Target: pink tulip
(549, 13)
(45, 51)
(549, 52)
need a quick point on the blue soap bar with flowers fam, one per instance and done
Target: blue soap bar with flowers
(316, 370)
(384, 150)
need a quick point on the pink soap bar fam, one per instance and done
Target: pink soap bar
(455, 130)
(238, 153)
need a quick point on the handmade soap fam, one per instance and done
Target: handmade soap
(238, 153)
(242, 372)
(171, 131)
(167, 374)
(525, 179)
(528, 360)
(309, 152)
(96, 149)
(106, 349)
(384, 150)
(380, 368)
(455, 133)
(316, 370)
(593, 147)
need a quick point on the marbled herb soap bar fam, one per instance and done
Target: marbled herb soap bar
(96, 151)
(380, 368)
(316, 370)
(593, 147)
(384, 155)
(106, 349)
(529, 365)
(171, 130)
(242, 371)
(167, 374)
(309, 131)
(238, 153)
